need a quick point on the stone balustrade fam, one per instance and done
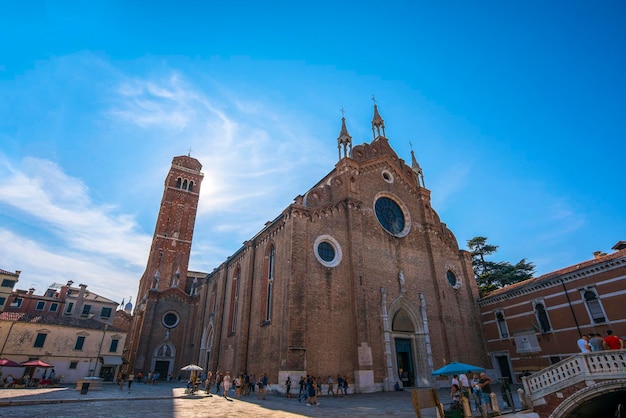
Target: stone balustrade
(583, 367)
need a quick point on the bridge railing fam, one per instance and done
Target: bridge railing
(598, 365)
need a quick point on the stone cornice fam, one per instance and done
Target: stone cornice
(551, 280)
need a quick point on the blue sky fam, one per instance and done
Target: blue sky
(514, 109)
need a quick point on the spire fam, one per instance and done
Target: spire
(129, 306)
(377, 121)
(344, 138)
(418, 170)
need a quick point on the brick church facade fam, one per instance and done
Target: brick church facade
(358, 277)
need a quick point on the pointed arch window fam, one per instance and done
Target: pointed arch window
(402, 323)
(185, 184)
(190, 186)
(269, 283)
(503, 330)
(594, 306)
(179, 183)
(234, 300)
(542, 317)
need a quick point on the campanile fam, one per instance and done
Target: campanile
(167, 298)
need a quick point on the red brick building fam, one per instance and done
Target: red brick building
(535, 323)
(357, 277)
(163, 324)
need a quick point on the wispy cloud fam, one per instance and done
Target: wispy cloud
(85, 242)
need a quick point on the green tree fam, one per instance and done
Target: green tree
(492, 275)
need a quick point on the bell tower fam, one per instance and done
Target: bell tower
(168, 260)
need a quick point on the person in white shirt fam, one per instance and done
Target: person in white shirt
(583, 344)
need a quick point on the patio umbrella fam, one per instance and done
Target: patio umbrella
(457, 368)
(9, 363)
(36, 363)
(191, 367)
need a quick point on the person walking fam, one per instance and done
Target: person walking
(331, 387)
(131, 377)
(302, 393)
(226, 383)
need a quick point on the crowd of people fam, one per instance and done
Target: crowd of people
(245, 384)
(594, 342)
(478, 389)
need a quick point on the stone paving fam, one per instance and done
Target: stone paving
(170, 400)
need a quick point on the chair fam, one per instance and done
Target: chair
(426, 398)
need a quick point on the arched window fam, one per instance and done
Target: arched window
(234, 299)
(402, 323)
(185, 184)
(542, 317)
(178, 183)
(501, 321)
(594, 306)
(190, 185)
(269, 282)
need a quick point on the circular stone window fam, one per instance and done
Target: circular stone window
(170, 320)
(327, 250)
(452, 279)
(387, 176)
(391, 216)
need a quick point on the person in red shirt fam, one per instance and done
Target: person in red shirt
(612, 342)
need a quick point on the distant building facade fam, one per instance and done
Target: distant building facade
(358, 277)
(75, 347)
(164, 322)
(535, 323)
(8, 281)
(63, 300)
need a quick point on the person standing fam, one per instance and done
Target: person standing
(485, 386)
(583, 344)
(340, 385)
(288, 387)
(218, 382)
(477, 393)
(612, 342)
(262, 384)
(595, 342)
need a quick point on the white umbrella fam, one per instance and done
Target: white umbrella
(191, 367)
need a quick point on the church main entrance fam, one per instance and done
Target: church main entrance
(162, 368)
(404, 360)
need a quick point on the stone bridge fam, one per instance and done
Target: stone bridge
(584, 385)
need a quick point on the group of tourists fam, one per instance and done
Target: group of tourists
(595, 342)
(478, 389)
(311, 388)
(150, 378)
(243, 384)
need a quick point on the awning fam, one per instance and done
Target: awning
(112, 360)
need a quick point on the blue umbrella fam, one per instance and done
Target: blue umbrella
(457, 368)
